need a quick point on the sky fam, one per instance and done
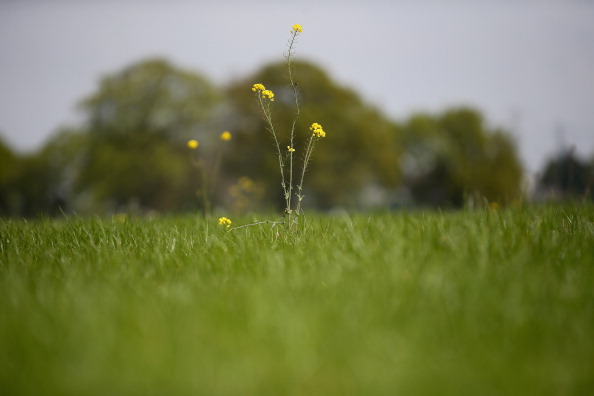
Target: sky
(527, 65)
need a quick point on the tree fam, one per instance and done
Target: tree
(452, 156)
(138, 122)
(8, 161)
(42, 183)
(151, 97)
(358, 149)
(567, 177)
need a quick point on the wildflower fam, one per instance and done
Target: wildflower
(193, 144)
(225, 222)
(317, 130)
(226, 136)
(297, 29)
(268, 94)
(291, 149)
(319, 133)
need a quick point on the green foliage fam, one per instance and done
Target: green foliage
(130, 154)
(7, 158)
(453, 156)
(138, 122)
(7, 164)
(358, 148)
(43, 182)
(454, 303)
(567, 177)
(141, 174)
(151, 97)
(32, 188)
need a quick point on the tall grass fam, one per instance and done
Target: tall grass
(425, 303)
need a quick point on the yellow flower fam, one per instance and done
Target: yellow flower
(193, 144)
(226, 136)
(319, 133)
(225, 222)
(268, 94)
(258, 87)
(291, 149)
(297, 29)
(317, 130)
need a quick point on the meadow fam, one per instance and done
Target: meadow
(485, 302)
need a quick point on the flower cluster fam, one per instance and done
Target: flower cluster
(266, 93)
(193, 144)
(258, 87)
(225, 222)
(317, 130)
(226, 136)
(297, 29)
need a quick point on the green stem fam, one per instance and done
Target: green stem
(205, 194)
(268, 118)
(295, 118)
(310, 146)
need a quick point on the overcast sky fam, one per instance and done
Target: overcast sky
(527, 65)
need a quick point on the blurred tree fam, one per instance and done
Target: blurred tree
(358, 149)
(453, 156)
(151, 97)
(42, 182)
(8, 160)
(566, 176)
(138, 122)
(144, 173)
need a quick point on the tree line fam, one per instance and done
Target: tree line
(130, 153)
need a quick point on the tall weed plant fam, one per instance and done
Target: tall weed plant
(292, 160)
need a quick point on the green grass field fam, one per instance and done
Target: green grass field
(420, 303)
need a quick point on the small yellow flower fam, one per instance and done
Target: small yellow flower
(297, 29)
(291, 149)
(317, 130)
(226, 136)
(193, 144)
(268, 94)
(258, 87)
(225, 222)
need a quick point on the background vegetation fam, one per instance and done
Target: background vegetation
(129, 153)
